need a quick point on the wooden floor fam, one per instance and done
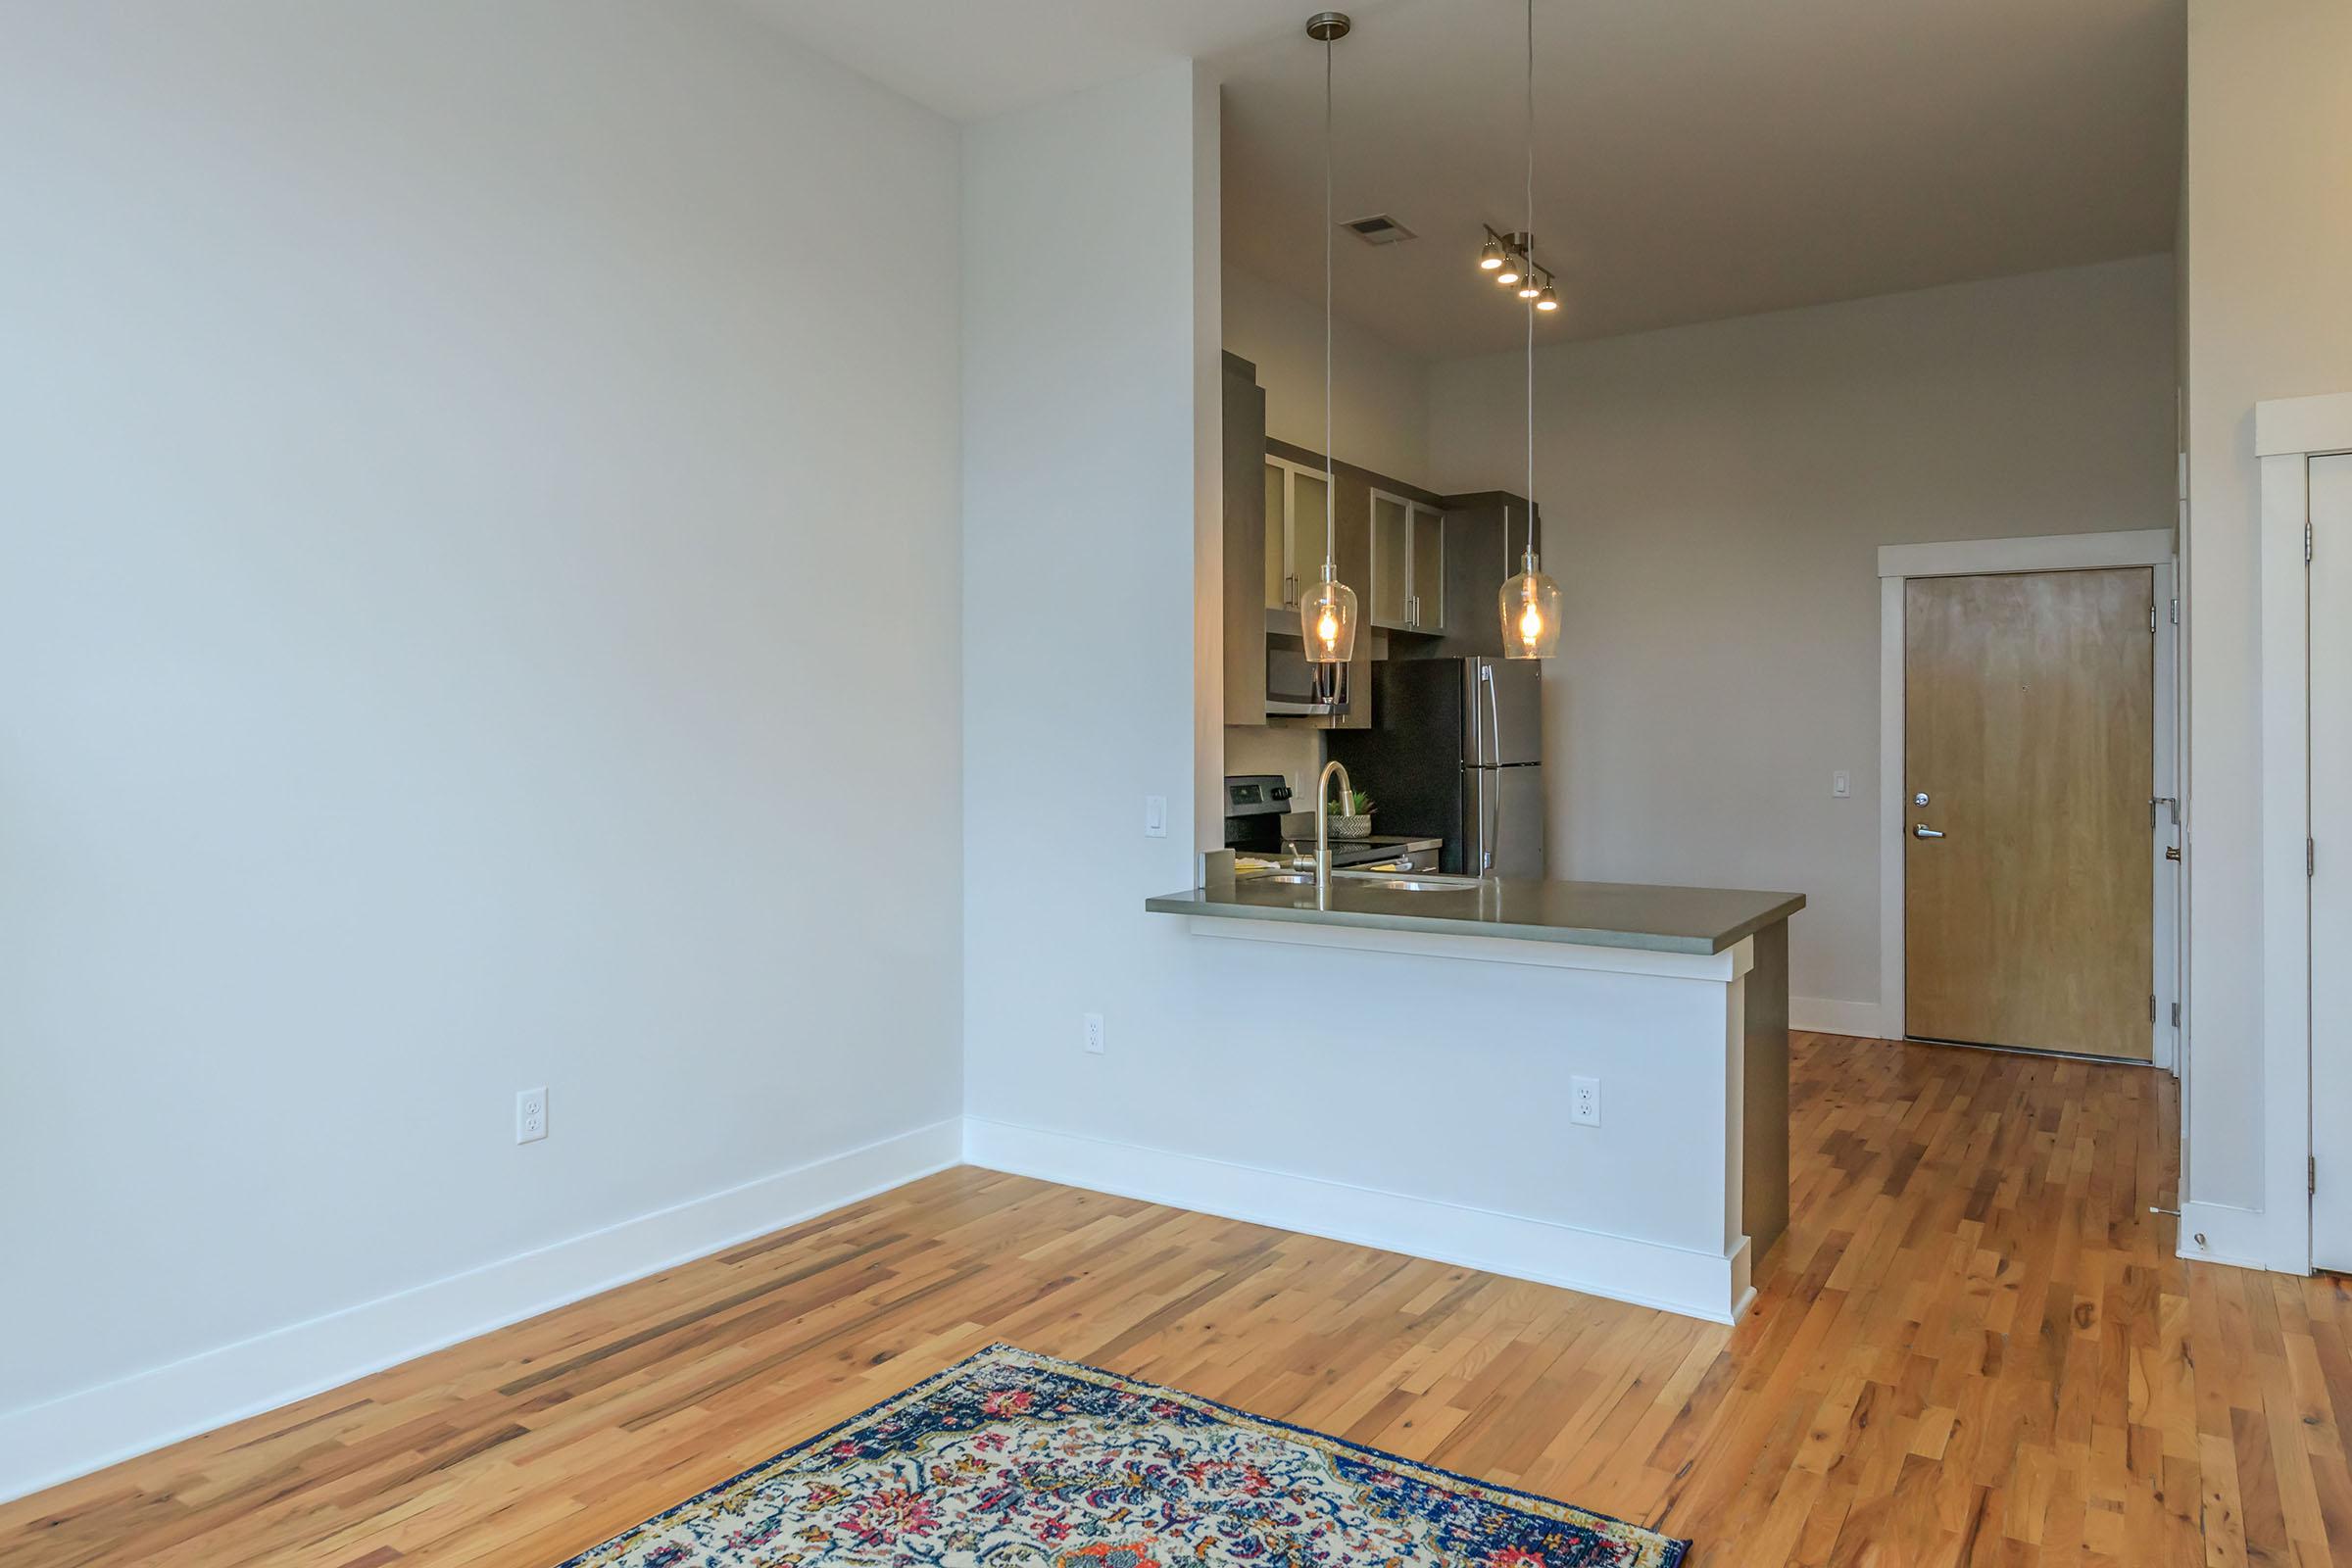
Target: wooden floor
(1974, 1347)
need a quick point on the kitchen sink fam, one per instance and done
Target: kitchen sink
(1385, 881)
(1411, 884)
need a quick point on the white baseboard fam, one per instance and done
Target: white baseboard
(1699, 1284)
(2234, 1236)
(46, 1443)
(1829, 1016)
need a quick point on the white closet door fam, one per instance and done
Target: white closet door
(2331, 879)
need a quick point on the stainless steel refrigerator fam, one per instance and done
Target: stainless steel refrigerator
(1455, 751)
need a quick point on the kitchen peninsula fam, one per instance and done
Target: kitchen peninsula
(1638, 1035)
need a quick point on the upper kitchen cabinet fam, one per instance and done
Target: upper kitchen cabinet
(1246, 532)
(1408, 564)
(1273, 549)
(1295, 498)
(1475, 560)
(1350, 500)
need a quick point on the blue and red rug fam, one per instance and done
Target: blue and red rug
(1017, 1460)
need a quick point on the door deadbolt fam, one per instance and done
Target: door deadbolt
(1920, 799)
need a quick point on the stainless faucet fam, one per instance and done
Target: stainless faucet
(1323, 823)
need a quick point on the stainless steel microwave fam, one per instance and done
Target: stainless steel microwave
(1294, 686)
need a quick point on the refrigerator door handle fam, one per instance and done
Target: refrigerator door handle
(1494, 844)
(1478, 724)
(1486, 839)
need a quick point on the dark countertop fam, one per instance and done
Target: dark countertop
(1600, 915)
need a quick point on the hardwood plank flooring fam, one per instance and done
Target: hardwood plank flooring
(1974, 1347)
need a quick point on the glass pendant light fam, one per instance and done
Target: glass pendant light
(1327, 614)
(1530, 602)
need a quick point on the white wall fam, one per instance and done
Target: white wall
(457, 466)
(1229, 1081)
(1378, 392)
(2269, 231)
(1714, 497)
(1081, 443)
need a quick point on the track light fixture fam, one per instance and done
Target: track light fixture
(1509, 260)
(1505, 258)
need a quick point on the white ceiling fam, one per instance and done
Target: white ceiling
(1702, 159)
(1696, 159)
(971, 58)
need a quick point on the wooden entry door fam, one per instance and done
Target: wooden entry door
(2029, 725)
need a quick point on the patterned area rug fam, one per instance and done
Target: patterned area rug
(1017, 1461)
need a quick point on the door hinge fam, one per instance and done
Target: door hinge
(2311, 1175)
(2311, 857)
(2307, 544)
(2176, 612)
(2151, 1007)
(2175, 1015)
(2151, 621)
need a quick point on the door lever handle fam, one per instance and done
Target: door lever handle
(1923, 831)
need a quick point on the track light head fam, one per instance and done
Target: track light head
(1489, 260)
(1547, 299)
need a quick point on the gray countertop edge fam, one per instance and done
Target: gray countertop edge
(1199, 902)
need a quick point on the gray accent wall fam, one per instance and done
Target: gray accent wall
(1714, 498)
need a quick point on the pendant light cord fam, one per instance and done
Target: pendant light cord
(1531, 305)
(1331, 527)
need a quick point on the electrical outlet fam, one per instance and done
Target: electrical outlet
(1093, 1033)
(530, 1115)
(1583, 1100)
(1155, 816)
(1841, 784)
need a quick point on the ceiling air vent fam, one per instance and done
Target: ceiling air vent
(1378, 230)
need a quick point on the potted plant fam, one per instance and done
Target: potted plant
(1351, 813)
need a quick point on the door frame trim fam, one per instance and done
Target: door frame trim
(2288, 432)
(1970, 558)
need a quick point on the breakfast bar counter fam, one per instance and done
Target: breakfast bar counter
(1602, 914)
(1633, 1038)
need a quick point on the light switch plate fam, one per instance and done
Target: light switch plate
(1841, 784)
(1155, 816)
